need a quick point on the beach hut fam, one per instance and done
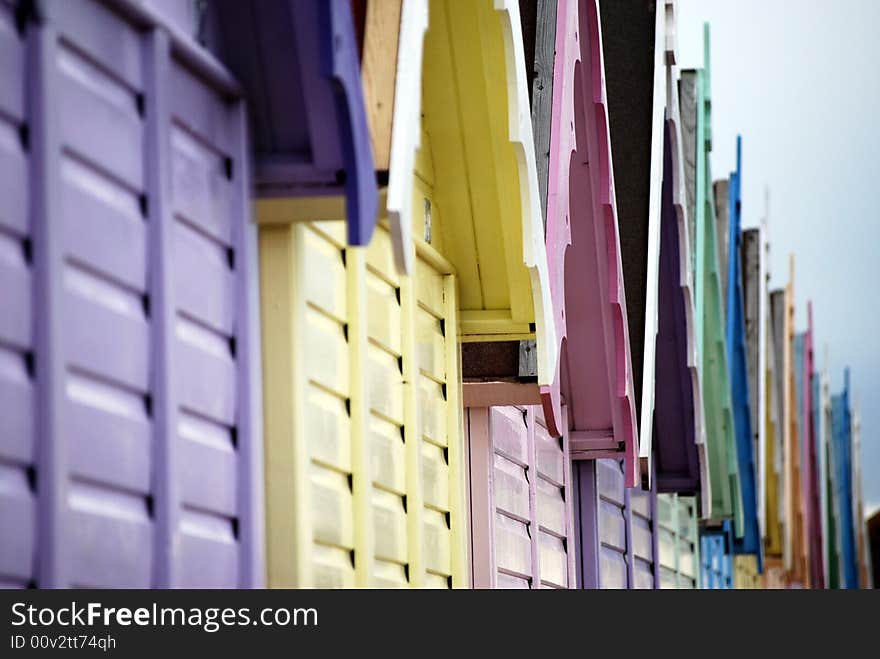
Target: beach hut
(365, 348)
(774, 534)
(812, 490)
(747, 542)
(724, 500)
(130, 436)
(843, 488)
(515, 447)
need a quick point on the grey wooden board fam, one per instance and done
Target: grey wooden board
(538, 18)
(687, 101)
(751, 274)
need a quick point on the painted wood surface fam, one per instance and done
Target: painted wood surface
(678, 425)
(379, 58)
(748, 541)
(406, 129)
(131, 430)
(794, 533)
(746, 575)
(843, 487)
(299, 66)
(753, 291)
(617, 532)
(678, 542)
(633, 46)
(363, 417)
(583, 246)
(775, 421)
(486, 216)
(725, 501)
(716, 557)
(521, 525)
(812, 499)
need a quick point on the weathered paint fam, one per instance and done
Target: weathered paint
(679, 440)
(521, 524)
(812, 501)
(633, 48)
(616, 528)
(678, 542)
(724, 500)
(774, 473)
(745, 572)
(594, 373)
(298, 63)
(485, 215)
(754, 287)
(747, 539)
(130, 435)
(716, 557)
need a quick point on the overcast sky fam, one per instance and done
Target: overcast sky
(800, 81)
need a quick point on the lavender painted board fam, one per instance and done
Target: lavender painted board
(595, 367)
(17, 441)
(298, 62)
(677, 468)
(616, 529)
(146, 395)
(521, 522)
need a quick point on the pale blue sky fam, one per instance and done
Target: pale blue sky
(800, 81)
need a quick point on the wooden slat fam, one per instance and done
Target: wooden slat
(378, 73)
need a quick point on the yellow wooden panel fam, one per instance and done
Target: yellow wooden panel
(324, 275)
(326, 424)
(332, 508)
(432, 411)
(435, 477)
(387, 453)
(389, 575)
(326, 355)
(380, 498)
(384, 384)
(383, 315)
(389, 518)
(332, 567)
(431, 345)
(380, 256)
(437, 543)
(430, 288)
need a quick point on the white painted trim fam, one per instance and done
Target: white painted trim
(522, 139)
(406, 129)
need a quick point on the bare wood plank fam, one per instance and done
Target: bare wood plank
(378, 73)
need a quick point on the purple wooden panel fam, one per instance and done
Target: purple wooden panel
(147, 389)
(18, 517)
(298, 61)
(678, 468)
(618, 537)
(595, 373)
